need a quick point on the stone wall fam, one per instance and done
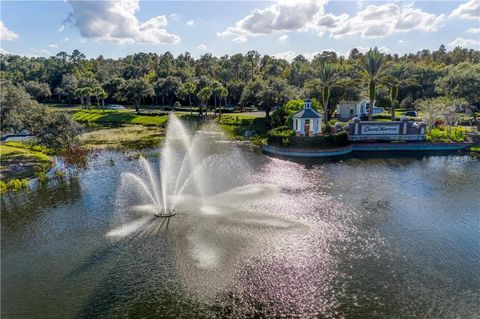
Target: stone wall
(403, 130)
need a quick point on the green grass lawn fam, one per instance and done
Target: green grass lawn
(235, 125)
(128, 137)
(119, 117)
(16, 162)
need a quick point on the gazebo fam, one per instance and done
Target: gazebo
(307, 122)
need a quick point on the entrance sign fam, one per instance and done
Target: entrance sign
(372, 129)
(403, 130)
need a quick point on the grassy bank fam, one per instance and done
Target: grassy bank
(119, 117)
(123, 138)
(235, 125)
(21, 161)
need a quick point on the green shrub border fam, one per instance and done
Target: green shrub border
(284, 136)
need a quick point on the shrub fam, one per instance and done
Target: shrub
(3, 186)
(332, 122)
(321, 141)
(439, 123)
(75, 156)
(42, 177)
(177, 105)
(59, 175)
(280, 136)
(17, 184)
(457, 134)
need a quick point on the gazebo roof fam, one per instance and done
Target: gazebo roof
(307, 114)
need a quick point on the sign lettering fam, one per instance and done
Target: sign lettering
(375, 129)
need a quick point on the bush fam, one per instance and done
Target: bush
(177, 105)
(332, 122)
(382, 116)
(42, 177)
(321, 141)
(457, 134)
(13, 185)
(3, 186)
(280, 136)
(440, 123)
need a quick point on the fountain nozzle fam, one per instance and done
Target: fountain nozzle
(166, 213)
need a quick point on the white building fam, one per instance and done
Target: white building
(307, 122)
(349, 109)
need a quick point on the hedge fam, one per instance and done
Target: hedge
(281, 138)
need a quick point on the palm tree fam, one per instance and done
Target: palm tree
(398, 77)
(328, 77)
(223, 94)
(79, 95)
(188, 89)
(216, 87)
(100, 94)
(87, 93)
(84, 94)
(373, 65)
(204, 95)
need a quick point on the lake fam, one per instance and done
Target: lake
(356, 238)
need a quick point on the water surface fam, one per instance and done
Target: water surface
(358, 238)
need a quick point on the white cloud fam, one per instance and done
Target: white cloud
(115, 21)
(280, 16)
(366, 49)
(190, 23)
(53, 46)
(283, 37)
(473, 30)
(287, 55)
(378, 21)
(202, 47)
(403, 41)
(468, 10)
(374, 21)
(6, 34)
(41, 52)
(290, 54)
(66, 39)
(174, 16)
(465, 43)
(240, 39)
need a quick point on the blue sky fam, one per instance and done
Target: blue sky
(283, 28)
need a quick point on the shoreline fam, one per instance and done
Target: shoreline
(365, 147)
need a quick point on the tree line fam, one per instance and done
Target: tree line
(248, 79)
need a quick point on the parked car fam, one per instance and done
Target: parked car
(114, 107)
(410, 113)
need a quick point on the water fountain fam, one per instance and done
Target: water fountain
(194, 177)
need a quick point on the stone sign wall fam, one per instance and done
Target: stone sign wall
(377, 129)
(403, 130)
